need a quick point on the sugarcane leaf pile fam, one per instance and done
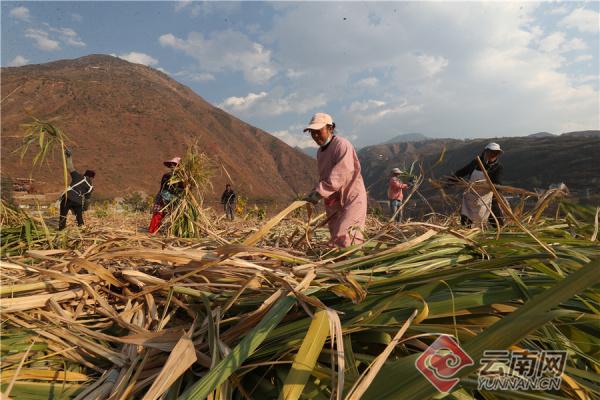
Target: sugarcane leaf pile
(187, 216)
(234, 315)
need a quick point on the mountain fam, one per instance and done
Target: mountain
(541, 135)
(124, 119)
(529, 162)
(407, 137)
(591, 134)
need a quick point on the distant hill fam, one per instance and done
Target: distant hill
(125, 119)
(591, 134)
(309, 151)
(529, 162)
(541, 135)
(407, 137)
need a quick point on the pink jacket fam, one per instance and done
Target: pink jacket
(340, 180)
(395, 187)
(342, 187)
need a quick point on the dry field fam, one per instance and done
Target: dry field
(264, 310)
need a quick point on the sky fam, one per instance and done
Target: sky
(443, 69)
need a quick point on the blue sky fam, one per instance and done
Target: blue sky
(449, 69)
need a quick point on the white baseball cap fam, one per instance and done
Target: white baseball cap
(493, 147)
(318, 121)
(396, 171)
(174, 160)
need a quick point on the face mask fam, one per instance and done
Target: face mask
(327, 142)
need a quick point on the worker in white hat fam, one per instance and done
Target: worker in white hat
(166, 194)
(477, 204)
(395, 194)
(340, 183)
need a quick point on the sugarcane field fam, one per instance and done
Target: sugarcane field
(299, 200)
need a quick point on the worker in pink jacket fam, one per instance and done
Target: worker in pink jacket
(340, 183)
(395, 194)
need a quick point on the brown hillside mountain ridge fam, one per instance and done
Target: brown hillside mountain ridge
(530, 162)
(124, 119)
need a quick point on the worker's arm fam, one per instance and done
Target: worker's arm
(69, 158)
(397, 184)
(466, 170)
(339, 175)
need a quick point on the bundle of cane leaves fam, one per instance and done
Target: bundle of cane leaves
(19, 231)
(47, 137)
(187, 217)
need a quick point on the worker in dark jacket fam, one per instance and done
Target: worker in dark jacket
(477, 204)
(165, 196)
(228, 201)
(77, 196)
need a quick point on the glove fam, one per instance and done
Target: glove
(68, 153)
(313, 197)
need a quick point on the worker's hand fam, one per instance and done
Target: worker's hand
(313, 197)
(68, 152)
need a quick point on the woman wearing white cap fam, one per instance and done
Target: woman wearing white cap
(340, 183)
(476, 206)
(166, 193)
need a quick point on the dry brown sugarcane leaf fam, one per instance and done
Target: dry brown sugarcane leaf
(36, 301)
(43, 375)
(163, 340)
(256, 236)
(181, 358)
(100, 389)
(99, 270)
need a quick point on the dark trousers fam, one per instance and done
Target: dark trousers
(228, 210)
(65, 206)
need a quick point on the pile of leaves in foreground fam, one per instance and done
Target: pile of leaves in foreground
(120, 315)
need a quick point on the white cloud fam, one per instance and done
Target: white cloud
(552, 42)
(49, 38)
(559, 10)
(294, 74)
(432, 65)
(18, 61)
(139, 58)
(67, 36)
(242, 103)
(376, 110)
(584, 57)
(369, 82)
(273, 104)
(225, 51)
(295, 138)
(583, 20)
(365, 105)
(557, 42)
(195, 76)
(42, 40)
(21, 13)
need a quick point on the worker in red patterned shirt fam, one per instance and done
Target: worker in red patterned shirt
(395, 195)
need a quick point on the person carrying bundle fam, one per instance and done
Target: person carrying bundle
(77, 196)
(395, 194)
(166, 194)
(477, 204)
(228, 201)
(340, 183)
